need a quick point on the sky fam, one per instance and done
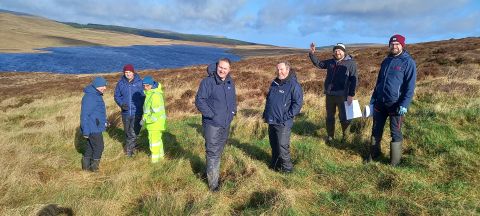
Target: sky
(276, 22)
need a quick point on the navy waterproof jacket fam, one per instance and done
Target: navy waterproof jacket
(216, 100)
(396, 80)
(130, 93)
(93, 116)
(284, 101)
(342, 77)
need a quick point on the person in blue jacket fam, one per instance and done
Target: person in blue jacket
(129, 97)
(392, 96)
(284, 102)
(216, 100)
(93, 121)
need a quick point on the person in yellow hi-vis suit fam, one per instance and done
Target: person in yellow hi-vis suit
(154, 117)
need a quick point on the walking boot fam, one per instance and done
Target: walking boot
(330, 131)
(395, 153)
(95, 164)
(86, 163)
(375, 149)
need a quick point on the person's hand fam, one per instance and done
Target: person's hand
(402, 110)
(349, 100)
(372, 100)
(85, 136)
(124, 107)
(107, 124)
(312, 47)
(142, 122)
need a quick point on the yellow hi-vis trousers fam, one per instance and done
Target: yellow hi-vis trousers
(156, 145)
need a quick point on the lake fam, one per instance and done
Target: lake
(100, 59)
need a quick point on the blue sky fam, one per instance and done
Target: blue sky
(281, 23)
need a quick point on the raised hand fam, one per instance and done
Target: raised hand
(312, 47)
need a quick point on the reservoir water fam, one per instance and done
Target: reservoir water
(101, 59)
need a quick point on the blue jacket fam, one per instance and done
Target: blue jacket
(130, 93)
(93, 114)
(217, 100)
(396, 80)
(342, 76)
(284, 101)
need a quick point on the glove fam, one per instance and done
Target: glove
(402, 110)
(372, 100)
(85, 136)
(124, 107)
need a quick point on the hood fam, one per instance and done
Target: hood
(212, 69)
(155, 89)
(90, 89)
(347, 57)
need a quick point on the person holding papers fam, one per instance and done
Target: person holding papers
(391, 97)
(340, 85)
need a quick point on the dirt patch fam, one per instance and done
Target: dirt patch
(34, 124)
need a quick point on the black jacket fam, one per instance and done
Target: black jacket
(341, 77)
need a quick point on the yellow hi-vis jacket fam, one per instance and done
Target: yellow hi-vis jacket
(154, 113)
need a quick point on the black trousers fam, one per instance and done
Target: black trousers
(95, 145)
(131, 126)
(279, 136)
(331, 104)
(215, 139)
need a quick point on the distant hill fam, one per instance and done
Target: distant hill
(162, 34)
(29, 33)
(15, 13)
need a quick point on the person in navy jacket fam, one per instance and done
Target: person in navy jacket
(392, 96)
(284, 102)
(129, 97)
(216, 100)
(93, 121)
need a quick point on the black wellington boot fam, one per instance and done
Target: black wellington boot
(95, 164)
(86, 163)
(375, 149)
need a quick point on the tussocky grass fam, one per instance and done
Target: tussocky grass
(41, 146)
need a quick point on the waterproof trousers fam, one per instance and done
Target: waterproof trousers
(95, 145)
(279, 137)
(131, 126)
(215, 139)
(156, 145)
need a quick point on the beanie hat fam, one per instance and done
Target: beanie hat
(397, 38)
(128, 67)
(148, 80)
(339, 46)
(99, 82)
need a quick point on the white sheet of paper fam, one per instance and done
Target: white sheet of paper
(353, 111)
(368, 111)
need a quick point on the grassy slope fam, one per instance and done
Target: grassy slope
(439, 173)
